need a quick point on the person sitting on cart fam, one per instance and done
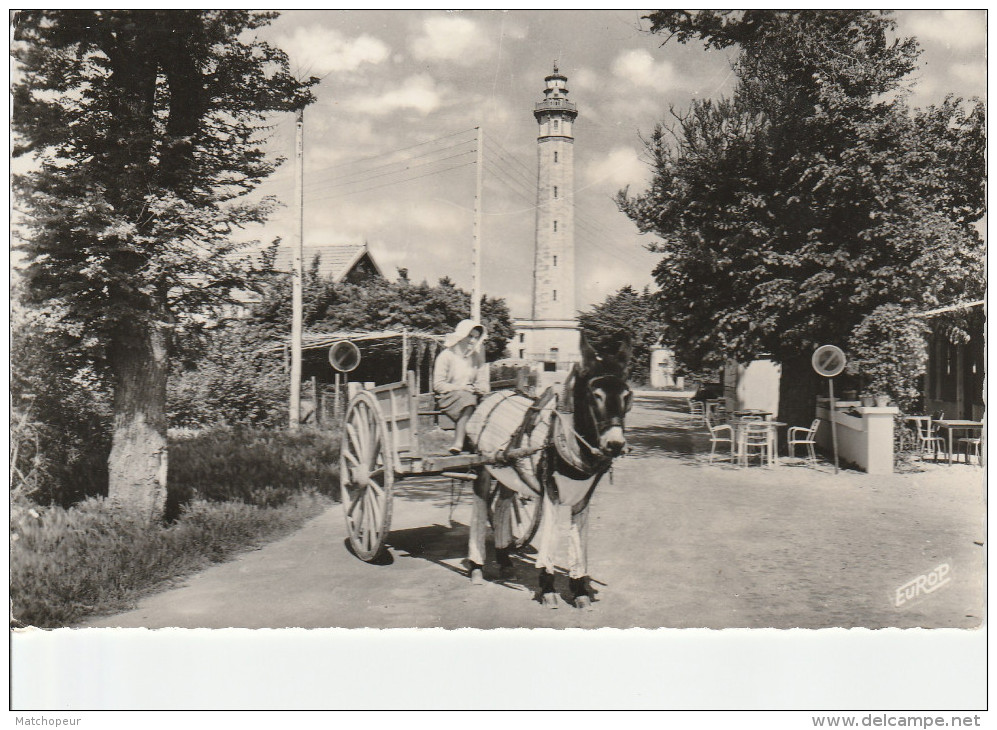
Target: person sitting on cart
(460, 376)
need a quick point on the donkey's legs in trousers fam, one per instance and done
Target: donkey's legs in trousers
(578, 549)
(550, 528)
(578, 582)
(479, 526)
(502, 528)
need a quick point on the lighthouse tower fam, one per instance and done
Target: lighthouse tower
(550, 336)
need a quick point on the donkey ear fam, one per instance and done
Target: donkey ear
(589, 358)
(625, 351)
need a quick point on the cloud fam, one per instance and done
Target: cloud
(971, 74)
(451, 38)
(957, 29)
(435, 216)
(515, 31)
(597, 280)
(585, 79)
(418, 93)
(318, 50)
(638, 67)
(620, 167)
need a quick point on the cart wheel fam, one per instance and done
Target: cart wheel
(525, 514)
(366, 476)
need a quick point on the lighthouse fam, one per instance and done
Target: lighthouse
(551, 334)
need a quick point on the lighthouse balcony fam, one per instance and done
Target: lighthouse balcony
(555, 105)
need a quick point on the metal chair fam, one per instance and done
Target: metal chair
(698, 410)
(720, 411)
(716, 438)
(800, 436)
(756, 436)
(928, 440)
(976, 444)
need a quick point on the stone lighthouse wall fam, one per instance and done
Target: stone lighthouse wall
(554, 264)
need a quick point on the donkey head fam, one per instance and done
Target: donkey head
(602, 396)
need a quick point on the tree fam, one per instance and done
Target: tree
(144, 127)
(812, 197)
(631, 312)
(379, 304)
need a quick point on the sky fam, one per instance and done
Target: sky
(389, 145)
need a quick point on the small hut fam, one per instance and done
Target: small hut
(385, 357)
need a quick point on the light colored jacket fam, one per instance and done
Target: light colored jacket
(454, 372)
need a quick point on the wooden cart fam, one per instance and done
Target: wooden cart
(381, 444)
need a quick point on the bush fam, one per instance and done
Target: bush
(888, 353)
(256, 467)
(61, 415)
(93, 558)
(229, 384)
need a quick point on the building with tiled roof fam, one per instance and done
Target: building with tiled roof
(343, 262)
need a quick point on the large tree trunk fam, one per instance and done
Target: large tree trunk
(138, 461)
(798, 388)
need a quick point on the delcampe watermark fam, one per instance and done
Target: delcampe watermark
(923, 584)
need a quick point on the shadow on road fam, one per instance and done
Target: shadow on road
(439, 490)
(435, 543)
(442, 545)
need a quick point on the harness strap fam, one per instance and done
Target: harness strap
(570, 450)
(530, 418)
(547, 471)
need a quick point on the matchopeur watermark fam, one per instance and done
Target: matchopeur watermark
(923, 584)
(47, 721)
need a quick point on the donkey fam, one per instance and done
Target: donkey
(575, 458)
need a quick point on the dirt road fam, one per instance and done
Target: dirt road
(674, 543)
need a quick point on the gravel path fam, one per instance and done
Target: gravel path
(674, 543)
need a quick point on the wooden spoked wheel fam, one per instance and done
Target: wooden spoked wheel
(366, 475)
(525, 512)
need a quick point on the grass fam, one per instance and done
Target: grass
(230, 491)
(253, 466)
(66, 564)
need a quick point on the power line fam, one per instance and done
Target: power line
(583, 224)
(512, 186)
(391, 172)
(320, 176)
(528, 182)
(314, 184)
(503, 151)
(622, 252)
(587, 234)
(360, 160)
(528, 191)
(397, 182)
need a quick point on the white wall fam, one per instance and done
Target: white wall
(755, 385)
(662, 371)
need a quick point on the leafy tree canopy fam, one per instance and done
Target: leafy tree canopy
(813, 196)
(631, 312)
(146, 129)
(378, 304)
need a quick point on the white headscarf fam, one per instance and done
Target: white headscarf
(462, 330)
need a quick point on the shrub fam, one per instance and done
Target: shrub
(889, 354)
(262, 468)
(229, 383)
(61, 414)
(66, 564)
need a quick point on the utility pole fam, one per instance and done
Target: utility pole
(476, 236)
(297, 271)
